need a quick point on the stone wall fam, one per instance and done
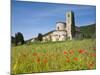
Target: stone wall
(56, 36)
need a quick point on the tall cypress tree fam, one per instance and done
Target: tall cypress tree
(73, 25)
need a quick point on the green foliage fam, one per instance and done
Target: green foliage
(49, 56)
(88, 31)
(19, 39)
(12, 39)
(39, 38)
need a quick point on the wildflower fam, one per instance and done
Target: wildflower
(38, 60)
(35, 54)
(90, 65)
(82, 51)
(45, 61)
(68, 60)
(71, 51)
(65, 52)
(76, 59)
(94, 48)
(93, 54)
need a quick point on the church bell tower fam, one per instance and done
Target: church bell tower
(70, 25)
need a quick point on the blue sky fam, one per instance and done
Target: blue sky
(32, 18)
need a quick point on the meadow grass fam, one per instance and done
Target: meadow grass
(54, 56)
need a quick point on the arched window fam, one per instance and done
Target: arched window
(58, 28)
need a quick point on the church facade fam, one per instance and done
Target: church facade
(63, 31)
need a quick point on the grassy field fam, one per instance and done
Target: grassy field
(54, 56)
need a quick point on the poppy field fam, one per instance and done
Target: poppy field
(54, 56)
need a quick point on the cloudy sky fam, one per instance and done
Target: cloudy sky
(32, 18)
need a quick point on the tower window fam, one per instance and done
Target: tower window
(68, 15)
(58, 28)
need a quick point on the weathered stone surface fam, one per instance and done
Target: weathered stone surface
(63, 30)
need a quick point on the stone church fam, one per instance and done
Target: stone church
(63, 31)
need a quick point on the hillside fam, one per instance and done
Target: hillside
(54, 56)
(88, 31)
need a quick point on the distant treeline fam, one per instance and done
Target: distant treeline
(19, 39)
(88, 31)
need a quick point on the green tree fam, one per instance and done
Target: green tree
(73, 25)
(19, 39)
(12, 39)
(39, 37)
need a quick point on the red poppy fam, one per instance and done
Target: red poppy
(93, 54)
(38, 60)
(90, 66)
(35, 54)
(68, 60)
(82, 51)
(65, 52)
(76, 59)
(94, 48)
(71, 51)
(45, 61)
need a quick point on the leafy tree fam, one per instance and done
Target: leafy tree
(19, 39)
(12, 39)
